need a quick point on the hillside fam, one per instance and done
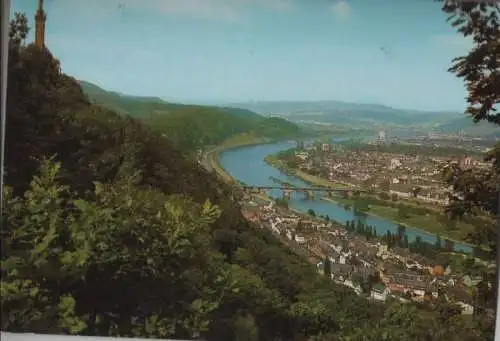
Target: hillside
(466, 125)
(117, 233)
(192, 126)
(355, 115)
(123, 104)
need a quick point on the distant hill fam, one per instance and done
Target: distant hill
(466, 125)
(124, 104)
(192, 126)
(356, 115)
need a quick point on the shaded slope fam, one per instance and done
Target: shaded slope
(52, 117)
(193, 126)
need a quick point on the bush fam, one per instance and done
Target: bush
(384, 196)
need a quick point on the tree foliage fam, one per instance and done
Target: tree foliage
(477, 191)
(479, 69)
(192, 127)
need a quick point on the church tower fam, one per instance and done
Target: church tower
(40, 18)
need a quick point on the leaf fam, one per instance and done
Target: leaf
(12, 263)
(98, 188)
(197, 305)
(81, 204)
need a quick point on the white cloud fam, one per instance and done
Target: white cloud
(455, 42)
(341, 9)
(222, 10)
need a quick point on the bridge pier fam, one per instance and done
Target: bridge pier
(310, 195)
(287, 194)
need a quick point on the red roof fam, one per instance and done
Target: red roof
(249, 215)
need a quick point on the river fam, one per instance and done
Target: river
(247, 164)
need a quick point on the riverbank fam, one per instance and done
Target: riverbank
(212, 157)
(273, 161)
(432, 225)
(430, 222)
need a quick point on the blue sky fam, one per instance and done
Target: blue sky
(392, 52)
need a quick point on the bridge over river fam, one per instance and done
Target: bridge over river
(309, 192)
(247, 167)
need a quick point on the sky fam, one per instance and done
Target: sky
(390, 52)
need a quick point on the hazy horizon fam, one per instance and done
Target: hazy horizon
(228, 51)
(225, 103)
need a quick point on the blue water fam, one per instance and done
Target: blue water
(247, 164)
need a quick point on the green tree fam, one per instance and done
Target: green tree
(281, 202)
(406, 243)
(18, 30)
(479, 68)
(361, 205)
(416, 190)
(403, 212)
(385, 186)
(311, 212)
(246, 329)
(477, 191)
(438, 245)
(327, 267)
(57, 242)
(384, 196)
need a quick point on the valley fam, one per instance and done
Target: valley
(353, 116)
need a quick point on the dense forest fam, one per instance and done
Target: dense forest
(110, 230)
(191, 127)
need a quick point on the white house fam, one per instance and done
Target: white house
(336, 248)
(467, 309)
(419, 292)
(379, 292)
(365, 263)
(300, 239)
(275, 228)
(395, 163)
(302, 156)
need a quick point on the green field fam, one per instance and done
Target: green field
(427, 222)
